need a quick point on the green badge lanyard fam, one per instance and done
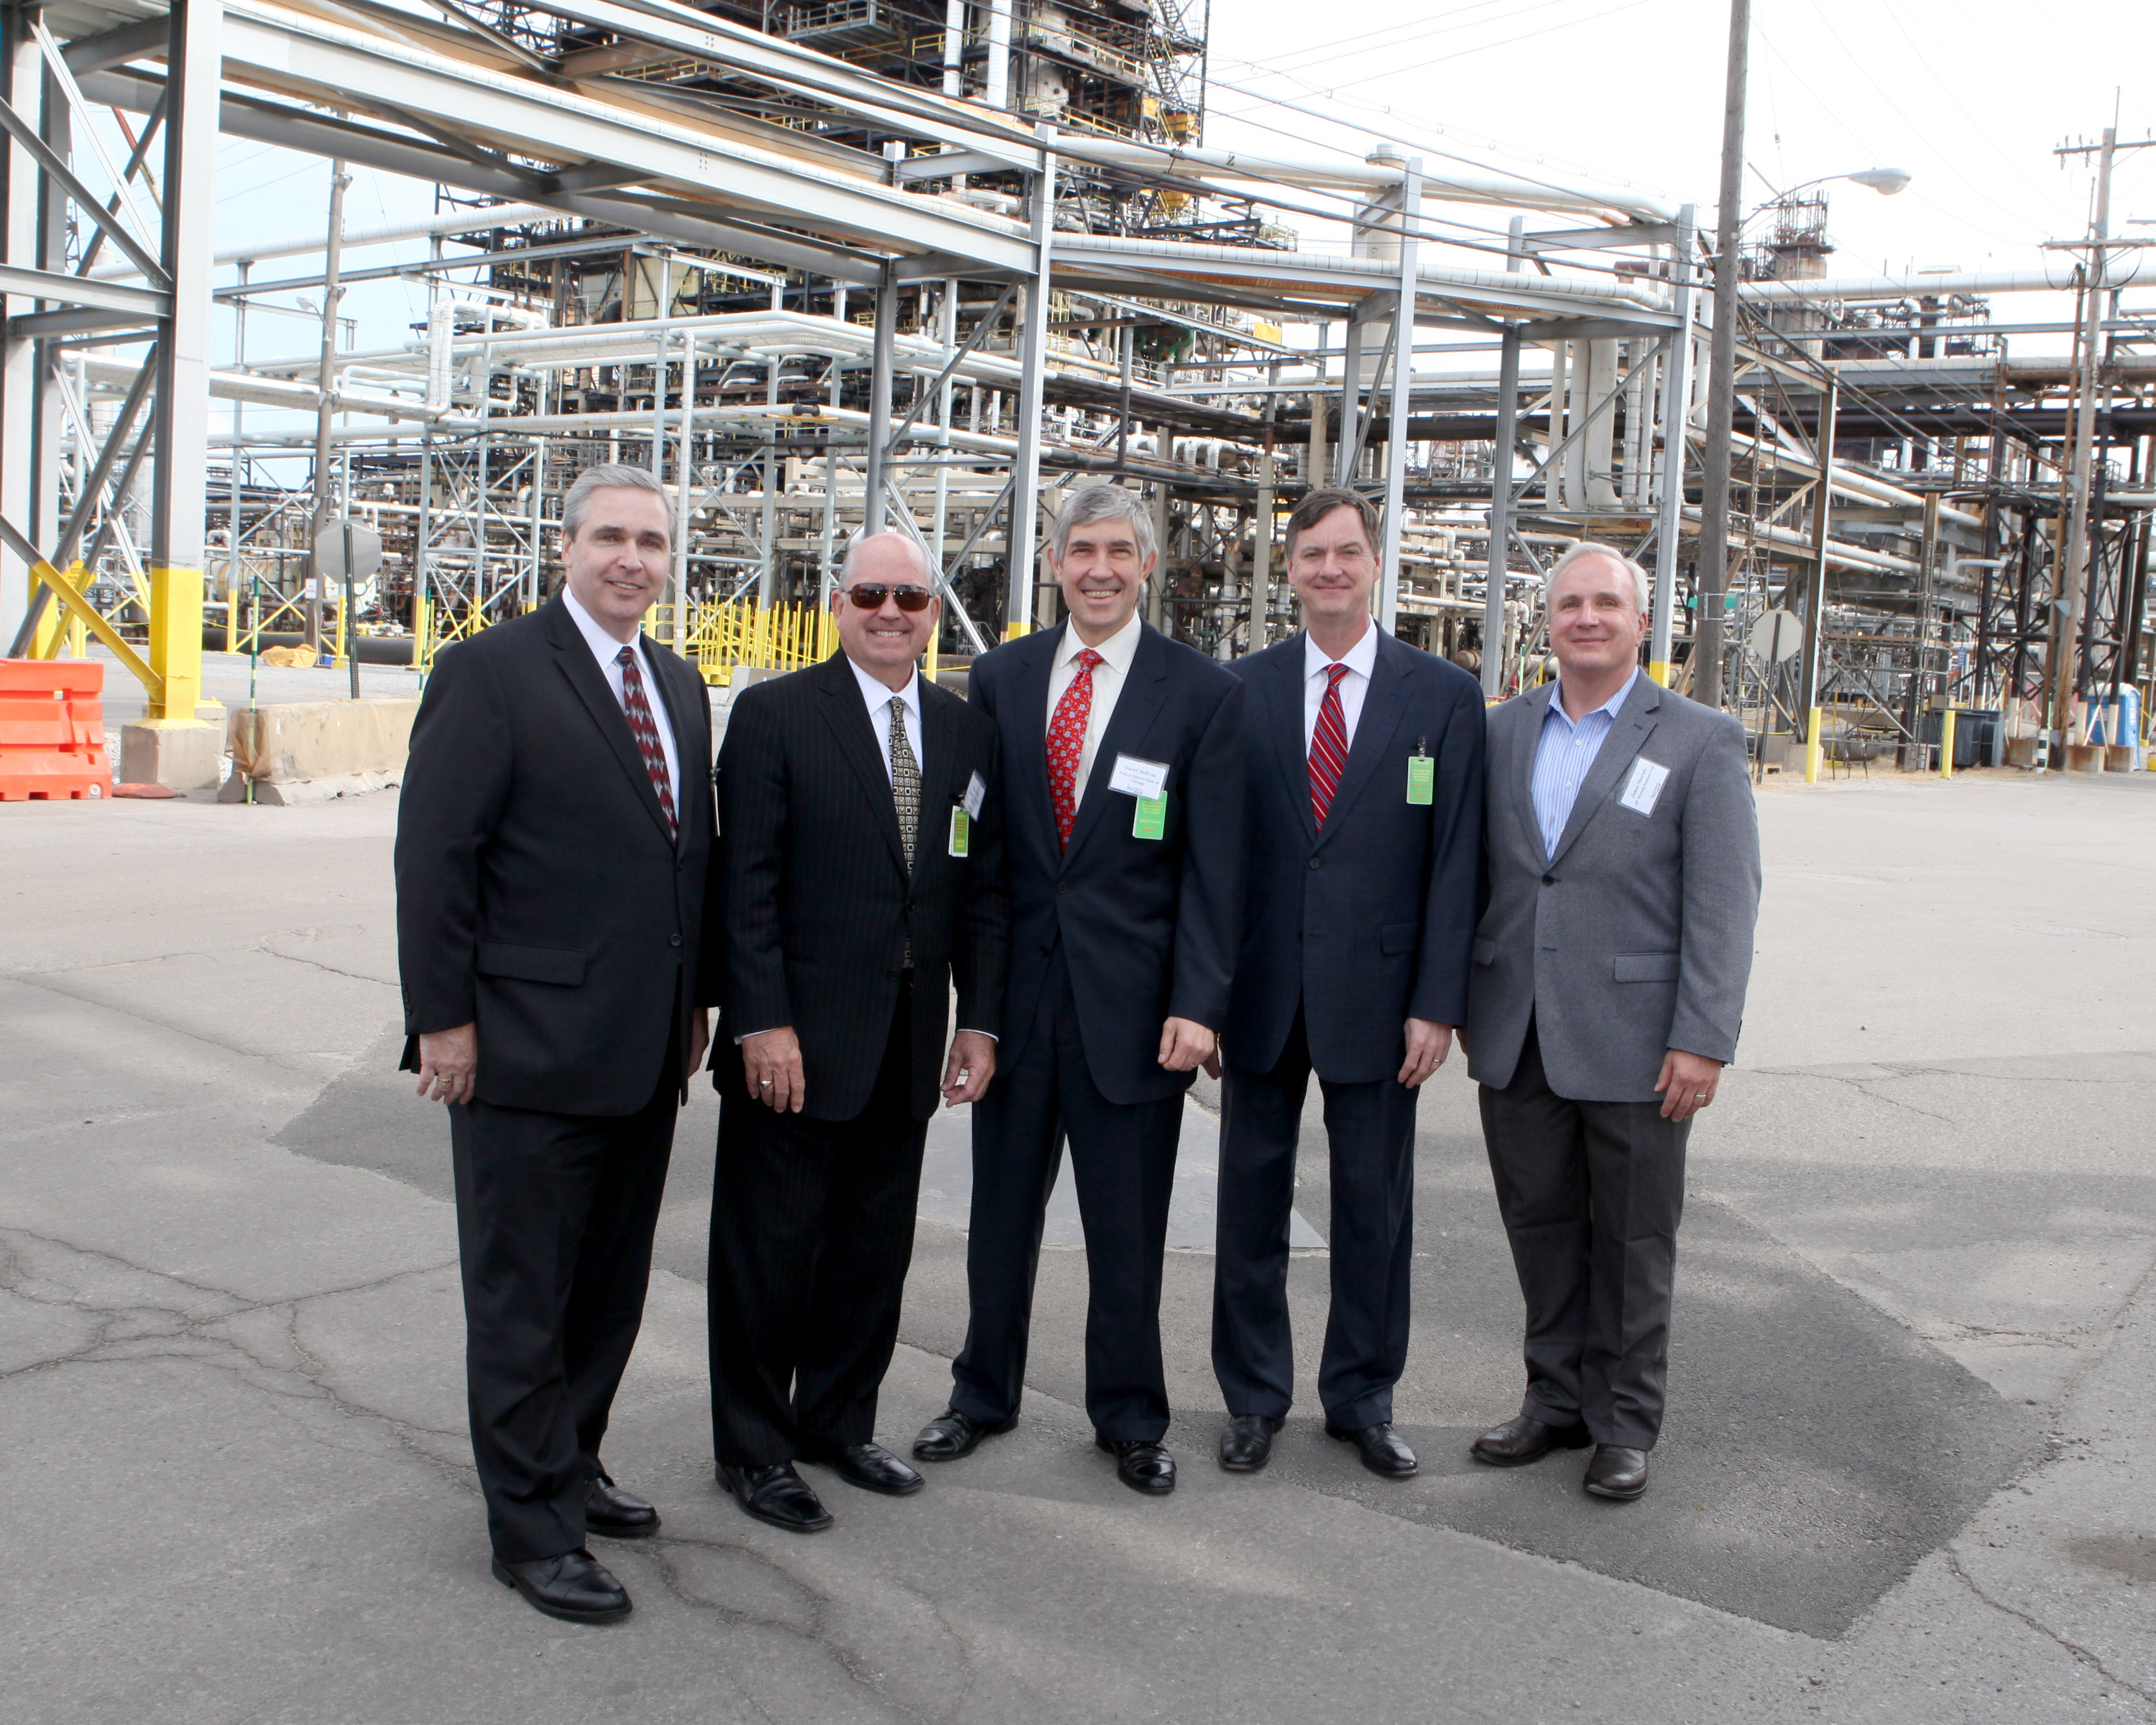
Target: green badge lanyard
(1422, 773)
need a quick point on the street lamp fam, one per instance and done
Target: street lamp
(1885, 180)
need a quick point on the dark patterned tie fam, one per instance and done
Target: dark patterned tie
(645, 730)
(905, 780)
(1066, 744)
(1328, 747)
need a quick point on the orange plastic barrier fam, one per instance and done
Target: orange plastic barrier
(52, 730)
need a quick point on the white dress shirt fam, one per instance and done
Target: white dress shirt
(1361, 660)
(1565, 755)
(1109, 677)
(879, 698)
(608, 651)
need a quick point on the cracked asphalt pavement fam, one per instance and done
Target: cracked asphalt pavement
(1907, 1474)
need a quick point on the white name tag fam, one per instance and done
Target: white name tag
(1142, 779)
(1644, 785)
(976, 789)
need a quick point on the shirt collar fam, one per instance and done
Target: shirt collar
(875, 694)
(1609, 706)
(1119, 649)
(1362, 658)
(603, 646)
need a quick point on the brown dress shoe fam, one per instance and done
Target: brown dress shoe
(1526, 1439)
(1617, 1473)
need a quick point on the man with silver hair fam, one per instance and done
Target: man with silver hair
(1604, 998)
(1122, 783)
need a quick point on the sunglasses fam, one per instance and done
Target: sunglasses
(870, 596)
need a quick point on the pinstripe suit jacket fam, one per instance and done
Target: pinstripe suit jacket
(1634, 936)
(818, 906)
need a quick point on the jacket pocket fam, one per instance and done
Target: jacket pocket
(532, 964)
(1485, 951)
(1647, 966)
(1395, 938)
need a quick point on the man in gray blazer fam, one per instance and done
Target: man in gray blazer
(1604, 998)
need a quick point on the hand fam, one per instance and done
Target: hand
(699, 1037)
(1185, 1044)
(1428, 1044)
(1690, 1081)
(449, 1061)
(971, 1063)
(772, 1061)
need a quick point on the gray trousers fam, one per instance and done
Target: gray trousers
(1590, 1193)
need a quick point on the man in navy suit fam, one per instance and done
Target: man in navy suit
(1364, 806)
(1122, 794)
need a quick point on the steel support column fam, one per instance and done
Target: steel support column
(1676, 398)
(1396, 427)
(882, 357)
(182, 423)
(26, 85)
(1501, 490)
(1033, 359)
(1807, 688)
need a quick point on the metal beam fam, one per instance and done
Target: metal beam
(1032, 357)
(132, 303)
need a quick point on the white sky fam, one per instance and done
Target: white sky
(1969, 96)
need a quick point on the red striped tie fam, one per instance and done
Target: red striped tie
(645, 731)
(1328, 747)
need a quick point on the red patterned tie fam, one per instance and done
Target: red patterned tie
(1066, 744)
(645, 731)
(1328, 747)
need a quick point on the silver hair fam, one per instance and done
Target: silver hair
(1105, 503)
(606, 475)
(1641, 586)
(913, 545)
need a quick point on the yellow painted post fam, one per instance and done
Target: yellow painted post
(176, 649)
(52, 622)
(1946, 741)
(77, 637)
(343, 633)
(422, 618)
(1812, 748)
(1659, 670)
(1017, 627)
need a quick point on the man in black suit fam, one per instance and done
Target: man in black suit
(862, 870)
(552, 845)
(1365, 822)
(1122, 752)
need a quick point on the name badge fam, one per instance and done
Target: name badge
(1151, 819)
(1139, 778)
(1644, 785)
(976, 789)
(961, 831)
(1422, 779)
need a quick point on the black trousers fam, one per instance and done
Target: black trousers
(555, 1214)
(1591, 1193)
(812, 1231)
(1370, 1130)
(1122, 1158)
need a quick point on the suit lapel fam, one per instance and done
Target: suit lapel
(847, 714)
(574, 657)
(1520, 771)
(678, 695)
(939, 780)
(1144, 688)
(1629, 731)
(1383, 703)
(1024, 717)
(1288, 748)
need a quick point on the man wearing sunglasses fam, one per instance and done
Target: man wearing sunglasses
(861, 877)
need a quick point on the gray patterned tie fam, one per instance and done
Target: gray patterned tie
(905, 780)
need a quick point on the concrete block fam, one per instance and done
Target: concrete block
(186, 757)
(334, 748)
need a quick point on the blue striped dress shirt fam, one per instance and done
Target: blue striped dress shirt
(1563, 754)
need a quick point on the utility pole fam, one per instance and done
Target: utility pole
(2063, 662)
(325, 410)
(1721, 378)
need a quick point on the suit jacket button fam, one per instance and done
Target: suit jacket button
(1315, 862)
(1061, 887)
(1549, 879)
(673, 940)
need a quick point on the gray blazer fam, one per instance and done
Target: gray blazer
(1636, 937)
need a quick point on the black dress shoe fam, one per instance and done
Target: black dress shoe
(1142, 1466)
(871, 1467)
(1526, 1439)
(1617, 1473)
(1246, 1441)
(619, 1514)
(1384, 1450)
(951, 1434)
(776, 1495)
(575, 1587)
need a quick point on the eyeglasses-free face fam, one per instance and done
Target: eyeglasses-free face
(870, 596)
